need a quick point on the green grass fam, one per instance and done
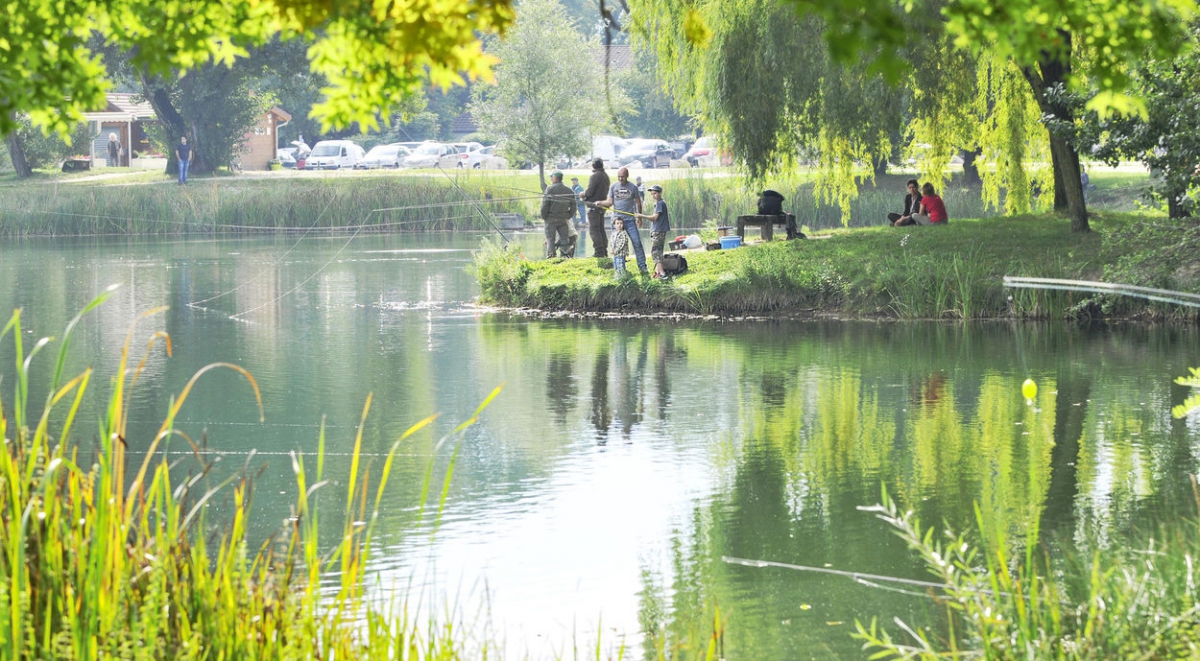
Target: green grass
(917, 272)
(115, 560)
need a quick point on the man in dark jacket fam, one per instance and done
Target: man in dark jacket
(558, 208)
(597, 191)
(912, 204)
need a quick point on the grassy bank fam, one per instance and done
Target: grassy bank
(113, 559)
(943, 272)
(132, 202)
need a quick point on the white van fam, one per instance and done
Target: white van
(608, 148)
(334, 154)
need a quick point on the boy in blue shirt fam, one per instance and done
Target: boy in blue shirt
(660, 225)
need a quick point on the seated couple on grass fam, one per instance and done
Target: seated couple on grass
(921, 207)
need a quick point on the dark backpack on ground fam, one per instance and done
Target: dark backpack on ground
(674, 264)
(770, 203)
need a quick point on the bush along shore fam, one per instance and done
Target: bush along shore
(955, 271)
(115, 559)
(224, 205)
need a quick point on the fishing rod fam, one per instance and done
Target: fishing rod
(483, 213)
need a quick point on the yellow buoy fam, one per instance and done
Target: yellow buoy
(1029, 389)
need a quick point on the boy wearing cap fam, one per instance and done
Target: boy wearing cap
(660, 225)
(558, 208)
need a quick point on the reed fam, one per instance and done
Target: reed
(115, 559)
(233, 205)
(1135, 600)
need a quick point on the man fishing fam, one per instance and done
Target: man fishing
(623, 199)
(558, 208)
(595, 192)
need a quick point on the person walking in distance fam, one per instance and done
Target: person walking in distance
(594, 194)
(183, 153)
(624, 200)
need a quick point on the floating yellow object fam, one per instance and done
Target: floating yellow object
(1029, 389)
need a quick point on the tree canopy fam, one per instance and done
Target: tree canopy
(548, 88)
(372, 52)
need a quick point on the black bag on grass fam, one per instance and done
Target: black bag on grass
(770, 203)
(674, 264)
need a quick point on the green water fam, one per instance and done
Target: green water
(623, 459)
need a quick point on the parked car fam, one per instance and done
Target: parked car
(648, 153)
(428, 155)
(461, 149)
(492, 161)
(287, 156)
(473, 160)
(333, 155)
(383, 156)
(703, 153)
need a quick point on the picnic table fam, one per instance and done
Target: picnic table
(766, 222)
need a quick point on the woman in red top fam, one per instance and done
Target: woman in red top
(933, 210)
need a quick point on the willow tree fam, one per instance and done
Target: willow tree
(1086, 45)
(753, 73)
(372, 52)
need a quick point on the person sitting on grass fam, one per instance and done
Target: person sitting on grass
(932, 210)
(619, 246)
(912, 204)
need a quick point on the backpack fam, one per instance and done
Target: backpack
(770, 203)
(674, 264)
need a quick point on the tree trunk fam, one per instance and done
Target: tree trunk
(880, 167)
(1051, 73)
(160, 99)
(17, 153)
(542, 175)
(970, 169)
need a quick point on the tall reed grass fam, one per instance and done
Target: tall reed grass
(115, 559)
(1131, 601)
(239, 205)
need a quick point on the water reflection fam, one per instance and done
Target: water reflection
(625, 458)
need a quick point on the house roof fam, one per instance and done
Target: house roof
(120, 107)
(281, 113)
(464, 124)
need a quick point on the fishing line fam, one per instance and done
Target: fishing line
(483, 213)
(197, 304)
(238, 316)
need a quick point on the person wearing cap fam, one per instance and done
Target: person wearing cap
(558, 208)
(660, 225)
(596, 192)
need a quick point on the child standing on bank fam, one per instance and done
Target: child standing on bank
(619, 246)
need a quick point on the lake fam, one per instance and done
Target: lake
(623, 460)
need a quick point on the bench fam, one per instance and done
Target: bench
(767, 223)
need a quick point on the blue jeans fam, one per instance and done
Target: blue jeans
(635, 238)
(183, 167)
(619, 267)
